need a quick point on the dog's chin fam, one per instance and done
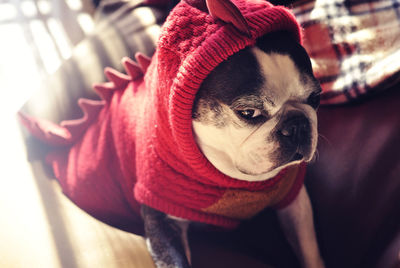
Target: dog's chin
(254, 174)
(249, 174)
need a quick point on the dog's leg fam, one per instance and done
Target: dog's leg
(166, 239)
(297, 223)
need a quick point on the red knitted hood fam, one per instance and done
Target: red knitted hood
(191, 45)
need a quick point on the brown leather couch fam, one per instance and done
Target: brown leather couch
(355, 183)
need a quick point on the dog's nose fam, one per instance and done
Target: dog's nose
(295, 131)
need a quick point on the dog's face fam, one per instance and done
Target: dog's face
(255, 113)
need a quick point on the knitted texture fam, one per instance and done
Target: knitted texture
(137, 146)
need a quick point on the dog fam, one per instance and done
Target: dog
(254, 115)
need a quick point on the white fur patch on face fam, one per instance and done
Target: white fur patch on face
(245, 151)
(283, 80)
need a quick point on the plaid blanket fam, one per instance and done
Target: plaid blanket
(354, 45)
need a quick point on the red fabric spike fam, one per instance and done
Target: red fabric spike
(143, 61)
(227, 11)
(45, 131)
(105, 90)
(120, 80)
(132, 68)
(77, 127)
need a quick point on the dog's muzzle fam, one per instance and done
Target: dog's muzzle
(294, 135)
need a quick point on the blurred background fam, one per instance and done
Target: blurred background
(37, 35)
(39, 227)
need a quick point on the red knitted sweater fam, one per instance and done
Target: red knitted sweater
(136, 145)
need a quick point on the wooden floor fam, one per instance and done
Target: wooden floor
(39, 226)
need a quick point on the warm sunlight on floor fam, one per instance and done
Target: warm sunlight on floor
(39, 226)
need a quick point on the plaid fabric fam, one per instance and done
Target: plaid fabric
(354, 45)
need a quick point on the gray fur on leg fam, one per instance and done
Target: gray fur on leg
(164, 239)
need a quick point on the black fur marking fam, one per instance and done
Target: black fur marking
(238, 76)
(283, 43)
(165, 238)
(202, 107)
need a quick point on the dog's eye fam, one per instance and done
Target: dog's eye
(249, 113)
(314, 99)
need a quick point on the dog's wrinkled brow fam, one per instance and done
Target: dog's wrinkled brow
(251, 101)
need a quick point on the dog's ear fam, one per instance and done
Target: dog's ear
(226, 11)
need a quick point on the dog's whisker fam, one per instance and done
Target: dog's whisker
(325, 139)
(315, 157)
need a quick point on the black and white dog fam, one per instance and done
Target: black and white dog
(254, 115)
